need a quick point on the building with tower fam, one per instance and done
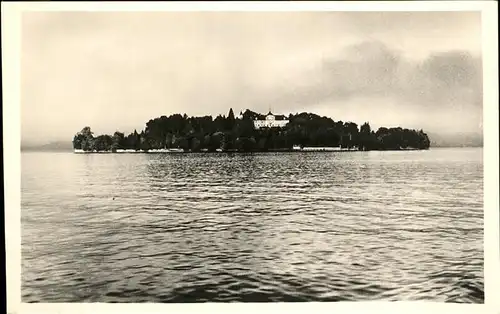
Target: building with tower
(271, 121)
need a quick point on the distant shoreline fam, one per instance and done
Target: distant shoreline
(179, 151)
(48, 150)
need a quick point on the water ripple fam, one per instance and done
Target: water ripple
(253, 228)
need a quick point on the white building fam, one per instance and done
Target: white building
(270, 122)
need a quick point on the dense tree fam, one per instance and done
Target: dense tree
(84, 139)
(367, 139)
(102, 143)
(231, 133)
(118, 141)
(230, 121)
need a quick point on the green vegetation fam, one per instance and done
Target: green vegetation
(238, 134)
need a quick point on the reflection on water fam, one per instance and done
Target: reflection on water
(254, 227)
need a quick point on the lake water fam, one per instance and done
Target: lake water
(253, 227)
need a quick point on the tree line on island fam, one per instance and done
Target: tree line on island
(228, 133)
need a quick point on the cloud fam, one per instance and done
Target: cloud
(443, 86)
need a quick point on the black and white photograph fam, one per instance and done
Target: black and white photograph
(246, 156)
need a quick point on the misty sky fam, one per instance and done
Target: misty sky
(115, 71)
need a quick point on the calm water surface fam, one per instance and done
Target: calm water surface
(253, 227)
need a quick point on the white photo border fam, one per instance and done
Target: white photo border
(11, 39)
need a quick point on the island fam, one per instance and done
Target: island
(251, 132)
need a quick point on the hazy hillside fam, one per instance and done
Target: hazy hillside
(456, 140)
(52, 146)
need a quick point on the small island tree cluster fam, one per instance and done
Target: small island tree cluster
(239, 134)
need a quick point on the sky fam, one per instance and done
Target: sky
(117, 70)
